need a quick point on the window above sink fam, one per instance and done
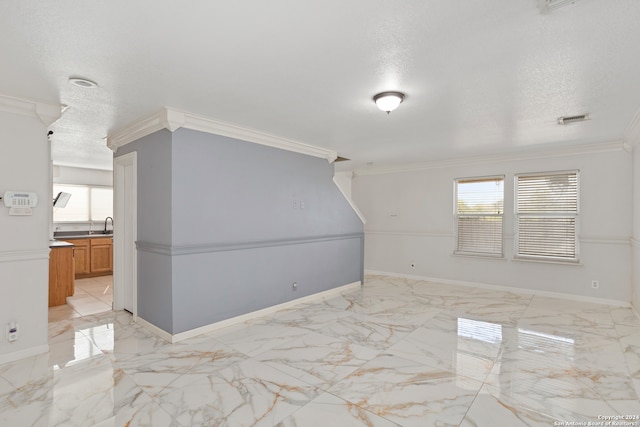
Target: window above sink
(87, 203)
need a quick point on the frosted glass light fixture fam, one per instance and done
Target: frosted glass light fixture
(388, 101)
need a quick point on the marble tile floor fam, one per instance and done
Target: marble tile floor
(92, 296)
(395, 352)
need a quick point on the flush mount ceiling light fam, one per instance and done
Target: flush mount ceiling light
(567, 120)
(388, 101)
(82, 82)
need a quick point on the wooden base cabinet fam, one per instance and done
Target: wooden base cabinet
(61, 283)
(93, 256)
(102, 255)
(81, 255)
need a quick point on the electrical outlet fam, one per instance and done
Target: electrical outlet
(12, 331)
(294, 286)
(595, 284)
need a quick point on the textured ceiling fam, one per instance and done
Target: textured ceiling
(487, 76)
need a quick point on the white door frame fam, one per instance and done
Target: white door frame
(125, 269)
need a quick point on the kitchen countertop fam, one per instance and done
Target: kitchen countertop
(60, 244)
(61, 235)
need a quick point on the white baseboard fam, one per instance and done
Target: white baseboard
(244, 317)
(154, 329)
(525, 291)
(23, 354)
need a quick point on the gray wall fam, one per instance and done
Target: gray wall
(237, 238)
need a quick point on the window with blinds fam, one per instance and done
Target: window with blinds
(547, 216)
(87, 203)
(478, 212)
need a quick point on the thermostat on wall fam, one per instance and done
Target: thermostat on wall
(20, 202)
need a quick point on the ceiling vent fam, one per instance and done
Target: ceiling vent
(83, 83)
(546, 6)
(567, 120)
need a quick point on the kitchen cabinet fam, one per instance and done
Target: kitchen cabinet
(61, 273)
(102, 255)
(93, 256)
(81, 255)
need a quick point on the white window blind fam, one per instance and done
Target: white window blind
(101, 203)
(77, 209)
(86, 203)
(479, 211)
(547, 216)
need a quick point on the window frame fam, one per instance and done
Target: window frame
(457, 216)
(539, 214)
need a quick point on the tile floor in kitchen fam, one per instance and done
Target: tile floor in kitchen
(92, 296)
(395, 352)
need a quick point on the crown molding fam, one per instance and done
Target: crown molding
(139, 129)
(172, 120)
(632, 133)
(601, 147)
(47, 113)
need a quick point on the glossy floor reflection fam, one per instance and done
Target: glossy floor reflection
(394, 353)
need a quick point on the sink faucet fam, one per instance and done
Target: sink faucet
(105, 224)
